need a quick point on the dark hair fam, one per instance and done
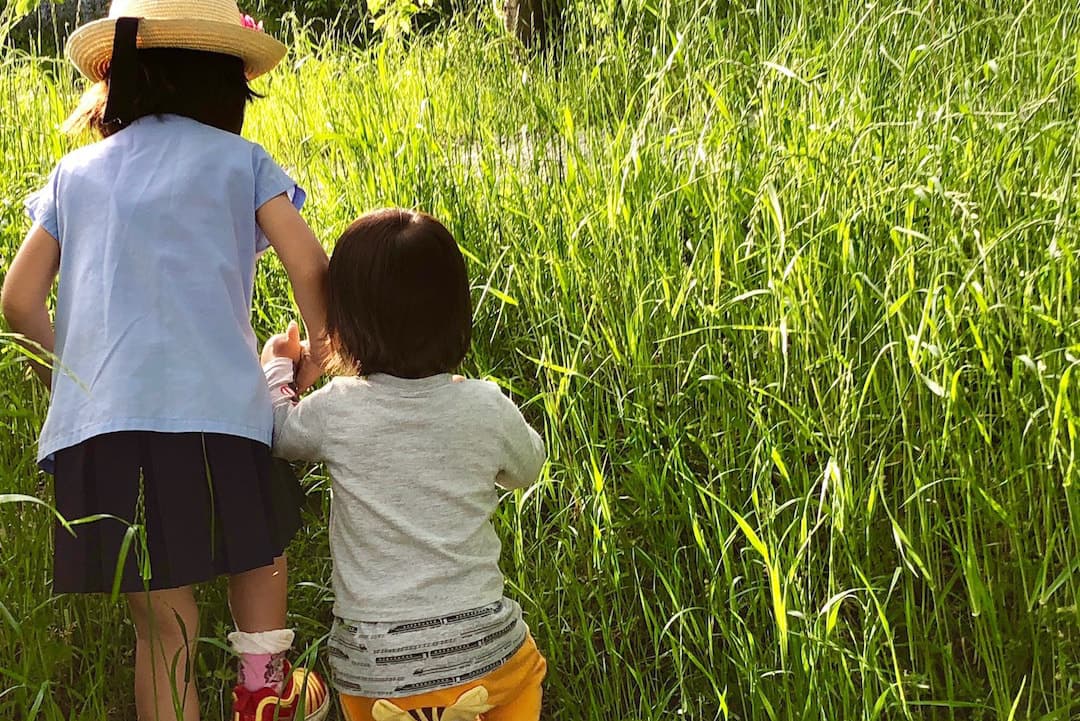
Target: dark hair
(209, 87)
(399, 297)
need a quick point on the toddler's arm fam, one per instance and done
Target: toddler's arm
(26, 292)
(306, 263)
(298, 427)
(522, 448)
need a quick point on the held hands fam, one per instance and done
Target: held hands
(307, 363)
(288, 345)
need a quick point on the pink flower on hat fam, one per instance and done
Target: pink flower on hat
(249, 22)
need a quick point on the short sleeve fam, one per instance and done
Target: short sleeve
(270, 182)
(41, 206)
(299, 430)
(520, 448)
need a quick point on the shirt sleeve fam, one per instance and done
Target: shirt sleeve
(521, 448)
(41, 206)
(298, 427)
(270, 182)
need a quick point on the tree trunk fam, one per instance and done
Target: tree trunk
(531, 20)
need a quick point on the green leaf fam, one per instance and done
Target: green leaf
(780, 466)
(23, 7)
(750, 534)
(36, 707)
(125, 547)
(20, 498)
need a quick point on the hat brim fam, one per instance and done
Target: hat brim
(90, 47)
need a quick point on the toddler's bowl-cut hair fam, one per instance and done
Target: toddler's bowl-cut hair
(399, 297)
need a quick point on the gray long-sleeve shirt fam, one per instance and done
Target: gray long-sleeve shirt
(414, 466)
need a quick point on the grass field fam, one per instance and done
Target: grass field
(793, 291)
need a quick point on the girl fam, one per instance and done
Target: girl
(420, 617)
(159, 414)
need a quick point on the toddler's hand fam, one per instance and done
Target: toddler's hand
(284, 345)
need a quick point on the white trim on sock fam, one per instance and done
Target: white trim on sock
(262, 642)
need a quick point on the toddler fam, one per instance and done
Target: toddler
(414, 455)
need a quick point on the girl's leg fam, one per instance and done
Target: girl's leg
(258, 602)
(166, 626)
(258, 598)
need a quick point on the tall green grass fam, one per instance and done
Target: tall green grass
(791, 290)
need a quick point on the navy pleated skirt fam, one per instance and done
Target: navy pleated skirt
(201, 505)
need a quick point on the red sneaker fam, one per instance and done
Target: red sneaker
(265, 705)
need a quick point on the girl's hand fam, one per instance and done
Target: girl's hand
(308, 371)
(284, 345)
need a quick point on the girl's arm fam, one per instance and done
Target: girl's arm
(26, 292)
(306, 263)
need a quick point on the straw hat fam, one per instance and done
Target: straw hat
(210, 25)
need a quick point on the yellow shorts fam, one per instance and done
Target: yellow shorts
(511, 692)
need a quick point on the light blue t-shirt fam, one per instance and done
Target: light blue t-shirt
(158, 244)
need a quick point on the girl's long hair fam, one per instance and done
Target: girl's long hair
(208, 87)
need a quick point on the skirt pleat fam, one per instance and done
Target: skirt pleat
(204, 505)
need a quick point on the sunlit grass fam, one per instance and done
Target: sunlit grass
(792, 295)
